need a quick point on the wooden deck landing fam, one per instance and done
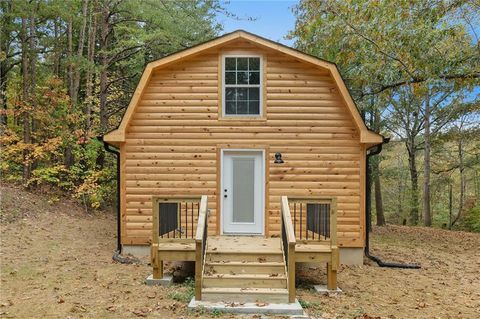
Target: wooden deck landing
(245, 268)
(243, 244)
(250, 268)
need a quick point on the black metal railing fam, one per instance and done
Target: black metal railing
(311, 219)
(177, 219)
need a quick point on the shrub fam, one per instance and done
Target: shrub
(472, 219)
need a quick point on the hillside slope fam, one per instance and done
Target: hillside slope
(56, 262)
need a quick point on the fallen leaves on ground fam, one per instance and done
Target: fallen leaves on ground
(57, 252)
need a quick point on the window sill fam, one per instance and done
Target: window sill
(243, 118)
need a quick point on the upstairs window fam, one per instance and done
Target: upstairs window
(242, 86)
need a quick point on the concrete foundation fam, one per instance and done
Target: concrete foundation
(351, 256)
(322, 289)
(292, 310)
(139, 251)
(166, 281)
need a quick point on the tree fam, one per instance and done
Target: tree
(392, 49)
(459, 150)
(67, 72)
(8, 54)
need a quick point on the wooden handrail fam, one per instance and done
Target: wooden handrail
(201, 219)
(200, 243)
(289, 247)
(288, 219)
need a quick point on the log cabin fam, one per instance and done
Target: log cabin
(247, 157)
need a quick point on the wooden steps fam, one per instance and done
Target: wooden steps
(239, 267)
(245, 281)
(244, 269)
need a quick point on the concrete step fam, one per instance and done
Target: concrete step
(243, 295)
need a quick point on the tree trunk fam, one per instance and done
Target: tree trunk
(56, 46)
(450, 205)
(70, 56)
(376, 177)
(412, 165)
(90, 71)
(104, 31)
(68, 159)
(81, 41)
(74, 74)
(427, 215)
(5, 64)
(3, 91)
(461, 167)
(33, 81)
(25, 98)
(103, 69)
(401, 197)
(378, 196)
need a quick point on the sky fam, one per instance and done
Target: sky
(274, 19)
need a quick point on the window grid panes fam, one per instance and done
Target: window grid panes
(242, 86)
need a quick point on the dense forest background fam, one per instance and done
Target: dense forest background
(68, 69)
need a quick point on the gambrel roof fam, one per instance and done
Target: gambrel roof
(366, 136)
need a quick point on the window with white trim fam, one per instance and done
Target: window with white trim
(242, 85)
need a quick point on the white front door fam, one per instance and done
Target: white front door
(242, 192)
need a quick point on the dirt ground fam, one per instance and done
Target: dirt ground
(56, 262)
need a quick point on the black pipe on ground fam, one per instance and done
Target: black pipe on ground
(368, 199)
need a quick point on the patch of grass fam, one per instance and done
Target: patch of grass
(216, 313)
(186, 294)
(358, 312)
(309, 304)
(198, 311)
(202, 312)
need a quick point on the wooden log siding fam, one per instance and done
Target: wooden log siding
(171, 142)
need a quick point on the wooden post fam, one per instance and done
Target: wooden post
(332, 266)
(157, 264)
(290, 234)
(202, 227)
(198, 270)
(291, 273)
(333, 222)
(331, 277)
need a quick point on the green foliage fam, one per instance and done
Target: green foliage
(309, 304)
(186, 293)
(397, 57)
(49, 124)
(472, 219)
(380, 43)
(216, 313)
